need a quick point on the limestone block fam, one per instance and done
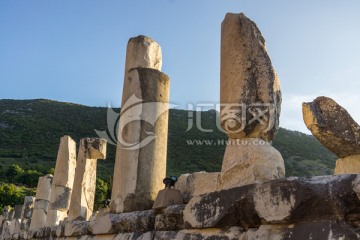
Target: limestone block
(208, 234)
(277, 202)
(333, 126)
(171, 219)
(28, 207)
(60, 230)
(82, 198)
(62, 200)
(140, 164)
(248, 161)
(142, 51)
(250, 88)
(65, 164)
(348, 165)
(17, 211)
(43, 189)
(104, 237)
(15, 226)
(41, 205)
(38, 218)
(124, 222)
(54, 217)
(197, 183)
(76, 228)
(324, 230)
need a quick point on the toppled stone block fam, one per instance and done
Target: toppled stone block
(171, 219)
(333, 126)
(28, 207)
(250, 93)
(283, 201)
(197, 183)
(125, 222)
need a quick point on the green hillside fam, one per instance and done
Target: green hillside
(30, 131)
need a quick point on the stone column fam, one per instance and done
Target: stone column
(250, 99)
(27, 212)
(42, 198)
(63, 182)
(140, 164)
(82, 198)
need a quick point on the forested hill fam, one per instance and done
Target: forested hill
(30, 131)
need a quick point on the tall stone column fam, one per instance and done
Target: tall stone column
(250, 105)
(82, 198)
(42, 198)
(62, 183)
(140, 164)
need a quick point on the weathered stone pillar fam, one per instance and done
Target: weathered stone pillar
(27, 212)
(250, 104)
(82, 198)
(333, 126)
(62, 183)
(140, 164)
(42, 198)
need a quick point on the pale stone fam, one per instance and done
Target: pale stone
(63, 182)
(249, 84)
(28, 207)
(41, 205)
(43, 189)
(124, 222)
(83, 193)
(197, 183)
(348, 165)
(15, 226)
(333, 126)
(55, 217)
(140, 164)
(271, 205)
(248, 161)
(104, 237)
(76, 228)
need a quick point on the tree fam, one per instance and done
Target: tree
(13, 172)
(101, 193)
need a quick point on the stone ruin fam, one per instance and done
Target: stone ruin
(249, 199)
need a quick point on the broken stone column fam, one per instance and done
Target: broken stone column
(27, 210)
(333, 126)
(250, 105)
(140, 164)
(42, 198)
(62, 183)
(82, 198)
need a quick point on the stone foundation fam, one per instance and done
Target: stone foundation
(325, 207)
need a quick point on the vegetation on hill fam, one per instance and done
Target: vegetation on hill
(30, 131)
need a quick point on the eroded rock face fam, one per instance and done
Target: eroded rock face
(333, 126)
(250, 88)
(277, 202)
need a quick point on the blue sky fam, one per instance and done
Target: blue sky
(74, 51)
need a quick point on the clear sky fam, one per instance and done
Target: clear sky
(74, 51)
